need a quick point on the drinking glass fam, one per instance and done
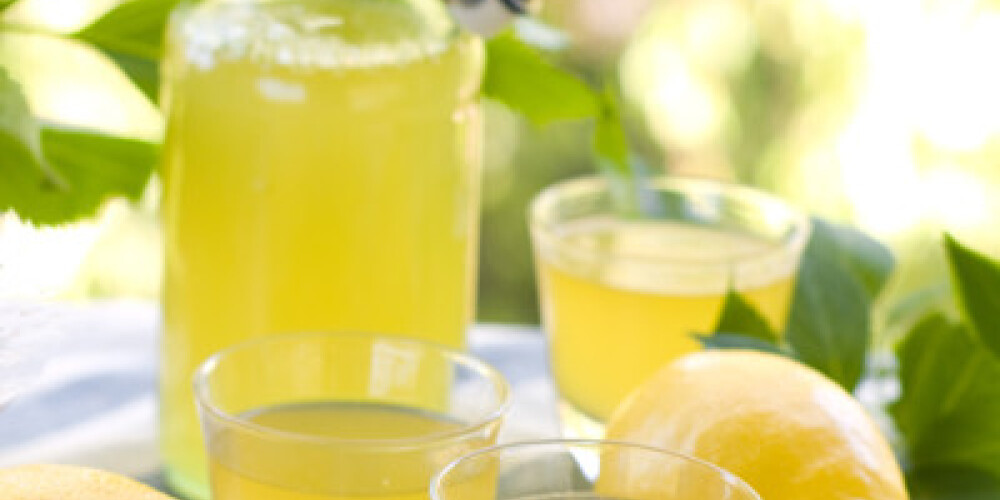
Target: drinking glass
(342, 416)
(585, 470)
(321, 171)
(623, 294)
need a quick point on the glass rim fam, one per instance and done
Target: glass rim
(791, 245)
(205, 402)
(437, 482)
(449, 34)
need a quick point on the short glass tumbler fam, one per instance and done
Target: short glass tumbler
(342, 416)
(624, 293)
(585, 470)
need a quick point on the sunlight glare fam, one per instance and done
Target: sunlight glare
(100, 96)
(40, 263)
(956, 198)
(929, 76)
(879, 172)
(959, 80)
(682, 108)
(59, 15)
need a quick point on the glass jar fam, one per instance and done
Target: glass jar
(321, 172)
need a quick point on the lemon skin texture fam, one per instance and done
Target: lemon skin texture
(786, 429)
(68, 482)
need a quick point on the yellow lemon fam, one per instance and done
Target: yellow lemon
(68, 482)
(786, 429)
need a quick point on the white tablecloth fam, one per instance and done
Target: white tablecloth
(95, 401)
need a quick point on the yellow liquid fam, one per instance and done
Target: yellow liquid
(321, 172)
(614, 321)
(246, 467)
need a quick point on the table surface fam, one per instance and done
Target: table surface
(94, 402)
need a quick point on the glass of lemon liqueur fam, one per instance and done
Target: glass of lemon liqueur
(323, 416)
(584, 470)
(321, 172)
(624, 294)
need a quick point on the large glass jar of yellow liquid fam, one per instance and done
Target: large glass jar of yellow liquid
(321, 172)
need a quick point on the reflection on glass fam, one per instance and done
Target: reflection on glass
(621, 295)
(585, 470)
(342, 416)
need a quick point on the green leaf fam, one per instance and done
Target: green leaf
(631, 192)
(20, 143)
(976, 280)
(741, 326)
(19, 132)
(740, 316)
(952, 483)
(6, 3)
(610, 142)
(927, 372)
(949, 408)
(131, 35)
(518, 76)
(869, 260)
(134, 27)
(829, 323)
(94, 167)
(144, 73)
(724, 340)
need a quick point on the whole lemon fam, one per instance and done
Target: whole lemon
(69, 482)
(786, 429)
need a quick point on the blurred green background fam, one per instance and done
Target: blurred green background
(884, 115)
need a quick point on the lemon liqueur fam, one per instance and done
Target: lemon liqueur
(321, 172)
(245, 467)
(613, 323)
(627, 284)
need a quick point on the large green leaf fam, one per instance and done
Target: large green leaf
(976, 280)
(134, 27)
(952, 483)
(93, 168)
(20, 146)
(131, 35)
(144, 73)
(867, 259)
(949, 407)
(518, 76)
(829, 323)
(19, 132)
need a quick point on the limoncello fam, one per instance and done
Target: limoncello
(630, 296)
(321, 172)
(335, 451)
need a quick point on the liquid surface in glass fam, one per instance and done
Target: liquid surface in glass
(612, 322)
(245, 466)
(321, 172)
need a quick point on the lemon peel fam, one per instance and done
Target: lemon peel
(787, 430)
(70, 482)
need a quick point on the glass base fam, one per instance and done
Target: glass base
(184, 487)
(577, 424)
